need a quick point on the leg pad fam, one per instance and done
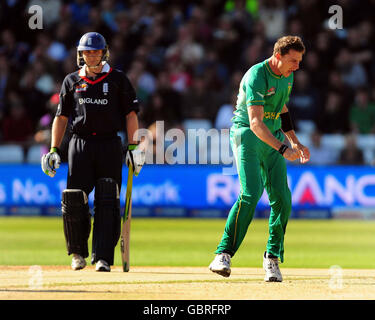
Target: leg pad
(107, 220)
(77, 221)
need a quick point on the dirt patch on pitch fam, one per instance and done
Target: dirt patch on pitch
(175, 283)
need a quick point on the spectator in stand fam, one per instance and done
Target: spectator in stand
(7, 83)
(226, 94)
(351, 154)
(333, 118)
(274, 17)
(80, 10)
(143, 81)
(158, 109)
(367, 35)
(17, 126)
(304, 102)
(323, 46)
(97, 23)
(336, 84)
(242, 14)
(198, 102)
(201, 26)
(309, 14)
(359, 46)
(225, 114)
(43, 129)
(8, 11)
(213, 70)
(15, 52)
(109, 10)
(179, 75)
(226, 40)
(318, 76)
(36, 100)
(43, 133)
(352, 72)
(362, 113)
(186, 49)
(171, 98)
(252, 54)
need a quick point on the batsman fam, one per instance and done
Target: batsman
(260, 123)
(97, 102)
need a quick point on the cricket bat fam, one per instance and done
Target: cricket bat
(126, 219)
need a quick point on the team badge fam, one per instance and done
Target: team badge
(271, 91)
(289, 87)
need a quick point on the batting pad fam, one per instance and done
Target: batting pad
(77, 221)
(107, 220)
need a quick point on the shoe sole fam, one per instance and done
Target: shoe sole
(102, 269)
(78, 268)
(272, 279)
(225, 272)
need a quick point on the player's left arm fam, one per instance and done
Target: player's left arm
(288, 129)
(135, 156)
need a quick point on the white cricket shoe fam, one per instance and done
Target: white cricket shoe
(102, 265)
(221, 264)
(271, 266)
(78, 262)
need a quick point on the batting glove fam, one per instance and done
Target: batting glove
(51, 161)
(135, 158)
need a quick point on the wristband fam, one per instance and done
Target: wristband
(132, 147)
(283, 149)
(286, 122)
(55, 149)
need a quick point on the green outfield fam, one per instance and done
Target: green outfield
(191, 242)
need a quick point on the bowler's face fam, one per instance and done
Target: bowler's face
(289, 62)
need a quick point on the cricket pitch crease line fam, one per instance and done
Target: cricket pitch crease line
(241, 280)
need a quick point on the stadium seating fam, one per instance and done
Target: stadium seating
(366, 142)
(334, 141)
(197, 124)
(11, 153)
(195, 150)
(34, 154)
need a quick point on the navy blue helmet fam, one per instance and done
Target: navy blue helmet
(91, 41)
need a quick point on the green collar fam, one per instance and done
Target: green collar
(268, 67)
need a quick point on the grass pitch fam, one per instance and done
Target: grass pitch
(192, 242)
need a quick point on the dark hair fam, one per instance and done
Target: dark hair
(286, 43)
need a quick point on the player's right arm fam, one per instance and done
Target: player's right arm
(58, 130)
(51, 161)
(257, 125)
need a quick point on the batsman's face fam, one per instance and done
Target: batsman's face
(92, 57)
(289, 62)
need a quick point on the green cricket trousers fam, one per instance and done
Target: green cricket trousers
(259, 166)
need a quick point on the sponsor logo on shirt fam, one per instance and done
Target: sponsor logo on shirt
(92, 101)
(81, 87)
(271, 115)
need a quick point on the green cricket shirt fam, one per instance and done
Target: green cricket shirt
(261, 86)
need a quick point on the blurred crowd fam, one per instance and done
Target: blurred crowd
(186, 59)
